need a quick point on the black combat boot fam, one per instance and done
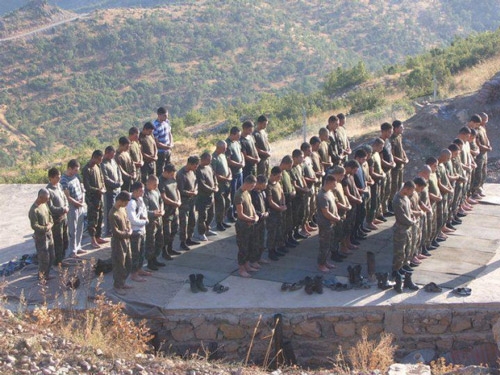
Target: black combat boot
(409, 283)
(352, 275)
(199, 283)
(399, 282)
(192, 282)
(318, 284)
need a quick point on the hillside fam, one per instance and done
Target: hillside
(84, 82)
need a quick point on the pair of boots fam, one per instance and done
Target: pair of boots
(355, 277)
(196, 283)
(383, 281)
(403, 280)
(313, 285)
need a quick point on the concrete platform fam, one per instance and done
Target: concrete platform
(470, 257)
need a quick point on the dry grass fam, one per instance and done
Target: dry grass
(103, 325)
(439, 366)
(367, 355)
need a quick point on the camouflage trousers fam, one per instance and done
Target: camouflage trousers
(154, 238)
(121, 259)
(244, 235)
(44, 246)
(94, 215)
(401, 250)
(61, 240)
(137, 249)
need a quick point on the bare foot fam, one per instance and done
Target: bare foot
(255, 265)
(119, 291)
(137, 278)
(323, 268)
(330, 265)
(352, 247)
(144, 273)
(264, 261)
(126, 286)
(372, 226)
(244, 273)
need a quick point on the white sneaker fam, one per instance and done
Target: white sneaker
(201, 237)
(211, 233)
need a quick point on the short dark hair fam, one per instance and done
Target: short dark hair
(123, 196)
(464, 130)
(247, 124)
(262, 118)
(409, 185)
(314, 140)
(97, 154)
(205, 155)
(453, 147)
(431, 160)
(305, 146)
(261, 179)
(133, 130)
(296, 153)
(193, 160)
(458, 142)
(476, 118)
(341, 116)
(137, 185)
(275, 171)
(123, 141)
(234, 130)
(148, 126)
(351, 164)
(360, 153)
(73, 163)
(473, 132)
(385, 126)
(169, 168)
(420, 181)
(53, 172)
(250, 179)
(287, 159)
(396, 124)
(333, 118)
(161, 111)
(329, 178)
(109, 149)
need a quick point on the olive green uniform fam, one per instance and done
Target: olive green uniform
(207, 182)
(40, 219)
(93, 181)
(402, 231)
(275, 220)
(57, 203)
(186, 181)
(289, 192)
(154, 229)
(262, 143)
(244, 230)
(127, 168)
(222, 199)
(121, 255)
(326, 228)
(136, 156)
(148, 149)
(168, 186)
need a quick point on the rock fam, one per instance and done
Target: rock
(206, 332)
(183, 332)
(98, 352)
(419, 356)
(85, 365)
(10, 359)
(472, 370)
(402, 369)
(345, 329)
(308, 329)
(138, 367)
(232, 332)
(460, 324)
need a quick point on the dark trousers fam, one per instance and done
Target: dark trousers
(94, 215)
(61, 240)
(154, 238)
(147, 170)
(221, 203)
(236, 183)
(163, 159)
(205, 208)
(121, 259)
(274, 230)
(244, 234)
(44, 245)
(109, 201)
(170, 228)
(137, 247)
(187, 219)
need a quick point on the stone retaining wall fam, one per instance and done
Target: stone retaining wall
(316, 334)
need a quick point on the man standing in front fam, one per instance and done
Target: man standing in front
(41, 223)
(224, 178)
(149, 151)
(154, 228)
(248, 149)
(400, 158)
(93, 181)
(73, 190)
(388, 164)
(135, 151)
(121, 230)
(402, 237)
(164, 139)
(186, 183)
(113, 182)
(207, 187)
(125, 163)
(59, 207)
(236, 162)
(262, 145)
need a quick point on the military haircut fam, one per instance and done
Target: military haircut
(193, 160)
(275, 171)
(133, 130)
(161, 111)
(385, 126)
(396, 124)
(314, 140)
(464, 130)
(109, 149)
(97, 154)
(333, 118)
(261, 179)
(476, 118)
(351, 164)
(123, 141)
(419, 181)
(250, 179)
(169, 168)
(137, 185)
(53, 172)
(262, 118)
(73, 163)
(453, 147)
(148, 126)
(305, 146)
(234, 130)
(123, 196)
(431, 160)
(296, 153)
(409, 185)
(247, 124)
(360, 153)
(287, 159)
